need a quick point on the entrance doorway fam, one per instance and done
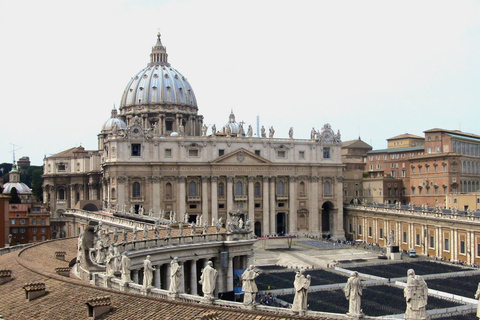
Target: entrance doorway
(281, 224)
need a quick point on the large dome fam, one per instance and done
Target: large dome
(158, 83)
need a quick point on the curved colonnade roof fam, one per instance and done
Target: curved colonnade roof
(66, 297)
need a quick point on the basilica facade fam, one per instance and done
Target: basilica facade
(155, 155)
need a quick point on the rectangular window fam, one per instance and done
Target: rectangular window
(369, 231)
(168, 153)
(34, 230)
(257, 153)
(42, 221)
(43, 230)
(360, 229)
(281, 154)
(404, 237)
(193, 153)
(221, 152)
(326, 153)
(462, 247)
(14, 230)
(34, 238)
(417, 239)
(301, 154)
(136, 149)
(23, 230)
(22, 221)
(61, 167)
(221, 206)
(34, 221)
(447, 245)
(381, 233)
(13, 221)
(432, 242)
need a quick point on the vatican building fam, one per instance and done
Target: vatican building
(156, 157)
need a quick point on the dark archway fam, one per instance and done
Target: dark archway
(90, 207)
(281, 224)
(258, 229)
(326, 216)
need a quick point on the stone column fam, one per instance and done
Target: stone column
(266, 209)
(273, 216)
(230, 274)
(168, 271)
(163, 126)
(206, 217)
(182, 277)
(338, 229)
(181, 197)
(214, 187)
(157, 280)
(314, 214)
(156, 194)
(292, 216)
(121, 195)
(193, 277)
(229, 194)
(251, 199)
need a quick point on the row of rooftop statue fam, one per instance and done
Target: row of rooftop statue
(415, 291)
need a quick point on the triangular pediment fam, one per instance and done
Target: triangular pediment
(241, 156)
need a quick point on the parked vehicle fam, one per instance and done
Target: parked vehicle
(412, 253)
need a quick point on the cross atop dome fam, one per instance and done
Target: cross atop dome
(159, 53)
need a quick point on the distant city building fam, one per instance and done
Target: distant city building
(354, 154)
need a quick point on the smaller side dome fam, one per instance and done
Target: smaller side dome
(114, 121)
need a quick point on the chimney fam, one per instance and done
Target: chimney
(63, 271)
(5, 276)
(60, 255)
(34, 290)
(98, 306)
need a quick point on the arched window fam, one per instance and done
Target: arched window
(280, 190)
(136, 190)
(221, 190)
(256, 188)
(239, 188)
(192, 189)
(168, 190)
(113, 194)
(327, 190)
(61, 194)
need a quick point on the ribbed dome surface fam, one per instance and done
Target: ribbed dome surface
(114, 121)
(158, 84)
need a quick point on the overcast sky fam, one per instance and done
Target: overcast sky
(373, 69)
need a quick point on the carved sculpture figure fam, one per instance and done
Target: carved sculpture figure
(240, 223)
(205, 227)
(313, 134)
(204, 130)
(353, 292)
(301, 285)
(132, 209)
(135, 233)
(124, 235)
(186, 216)
(214, 130)
(271, 132)
(151, 213)
(250, 131)
(100, 257)
(141, 211)
(115, 235)
(194, 227)
(110, 262)
(391, 238)
(290, 133)
(147, 272)
(208, 280)
(169, 231)
(116, 258)
(180, 229)
(175, 274)
(416, 295)
(145, 232)
(181, 129)
(264, 135)
(80, 249)
(157, 231)
(249, 286)
(240, 130)
(125, 264)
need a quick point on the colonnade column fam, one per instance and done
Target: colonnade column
(193, 277)
(273, 216)
(266, 220)
(182, 194)
(205, 200)
(314, 214)
(292, 217)
(168, 271)
(453, 245)
(338, 231)
(182, 277)
(229, 194)
(251, 199)
(157, 281)
(214, 198)
(230, 274)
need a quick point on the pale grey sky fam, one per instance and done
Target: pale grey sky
(370, 68)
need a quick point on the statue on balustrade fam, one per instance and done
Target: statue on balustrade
(175, 276)
(151, 213)
(145, 232)
(147, 273)
(141, 211)
(124, 235)
(125, 267)
(249, 286)
(194, 227)
(180, 229)
(115, 235)
(208, 281)
(110, 262)
(100, 255)
(205, 227)
(301, 285)
(477, 296)
(169, 231)
(135, 233)
(416, 295)
(353, 292)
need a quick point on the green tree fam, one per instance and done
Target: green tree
(14, 196)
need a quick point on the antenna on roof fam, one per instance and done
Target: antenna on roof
(13, 151)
